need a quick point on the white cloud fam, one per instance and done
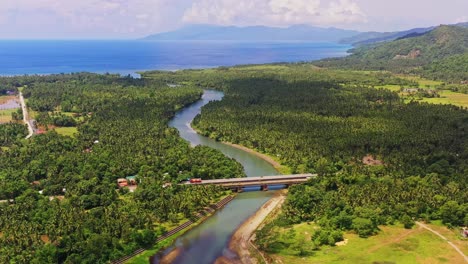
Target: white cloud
(90, 17)
(273, 12)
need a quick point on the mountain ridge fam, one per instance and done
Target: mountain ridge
(441, 46)
(299, 32)
(254, 33)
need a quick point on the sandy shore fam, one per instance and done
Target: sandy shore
(169, 258)
(265, 157)
(240, 240)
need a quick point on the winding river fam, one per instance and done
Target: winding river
(208, 241)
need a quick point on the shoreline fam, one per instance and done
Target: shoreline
(269, 159)
(241, 239)
(169, 239)
(280, 168)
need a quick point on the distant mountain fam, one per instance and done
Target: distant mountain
(462, 24)
(255, 33)
(410, 53)
(376, 37)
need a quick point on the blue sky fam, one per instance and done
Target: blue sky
(97, 19)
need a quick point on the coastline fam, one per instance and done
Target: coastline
(242, 238)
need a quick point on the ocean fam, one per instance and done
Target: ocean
(18, 57)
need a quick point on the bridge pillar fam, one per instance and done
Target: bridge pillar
(238, 189)
(264, 187)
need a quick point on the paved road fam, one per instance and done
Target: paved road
(444, 238)
(26, 116)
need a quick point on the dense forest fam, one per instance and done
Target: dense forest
(60, 202)
(379, 160)
(438, 54)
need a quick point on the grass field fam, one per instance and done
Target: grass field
(446, 96)
(393, 244)
(423, 83)
(66, 131)
(449, 97)
(5, 115)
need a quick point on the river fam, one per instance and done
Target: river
(208, 241)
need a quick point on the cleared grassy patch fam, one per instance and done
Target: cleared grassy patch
(449, 97)
(66, 131)
(391, 87)
(5, 115)
(423, 83)
(393, 244)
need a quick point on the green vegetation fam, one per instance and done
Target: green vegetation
(66, 131)
(451, 68)
(380, 158)
(332, 123)
(394, 244)
(438, 54)
(6, 115)
(122, 130)
(11, 133)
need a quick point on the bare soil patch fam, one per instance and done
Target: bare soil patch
(371, 161)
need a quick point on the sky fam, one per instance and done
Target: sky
(124, 19)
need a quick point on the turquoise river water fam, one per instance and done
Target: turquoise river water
(208, 241)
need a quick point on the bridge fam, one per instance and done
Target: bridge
(262, 181)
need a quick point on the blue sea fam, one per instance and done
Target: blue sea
(130, 56)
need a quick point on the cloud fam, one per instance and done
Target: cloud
(273, 12)
(91, 17)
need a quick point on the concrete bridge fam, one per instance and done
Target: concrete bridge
(262, 181)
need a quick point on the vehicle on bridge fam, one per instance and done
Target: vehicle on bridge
(195, 180)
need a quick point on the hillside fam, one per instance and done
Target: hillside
(406, 54)
(254, 33)
(377, 37)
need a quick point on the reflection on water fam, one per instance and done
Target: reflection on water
(208, 241)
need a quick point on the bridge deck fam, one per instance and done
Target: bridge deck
(262, 180)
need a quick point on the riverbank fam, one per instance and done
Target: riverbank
(269, 159)
(166, 240)
(241, 239)
(280, 168)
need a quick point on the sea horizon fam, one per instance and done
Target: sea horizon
(44, 57)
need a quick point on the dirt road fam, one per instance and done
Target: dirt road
(26, 116)
(444, 238)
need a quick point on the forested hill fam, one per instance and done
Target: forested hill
(408, 54)
(376, 37)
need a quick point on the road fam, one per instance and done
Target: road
(444, 238)
(26, 116)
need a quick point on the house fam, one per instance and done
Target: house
(464, 232)
(131, 180)
(410, 90)
(122, 182)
